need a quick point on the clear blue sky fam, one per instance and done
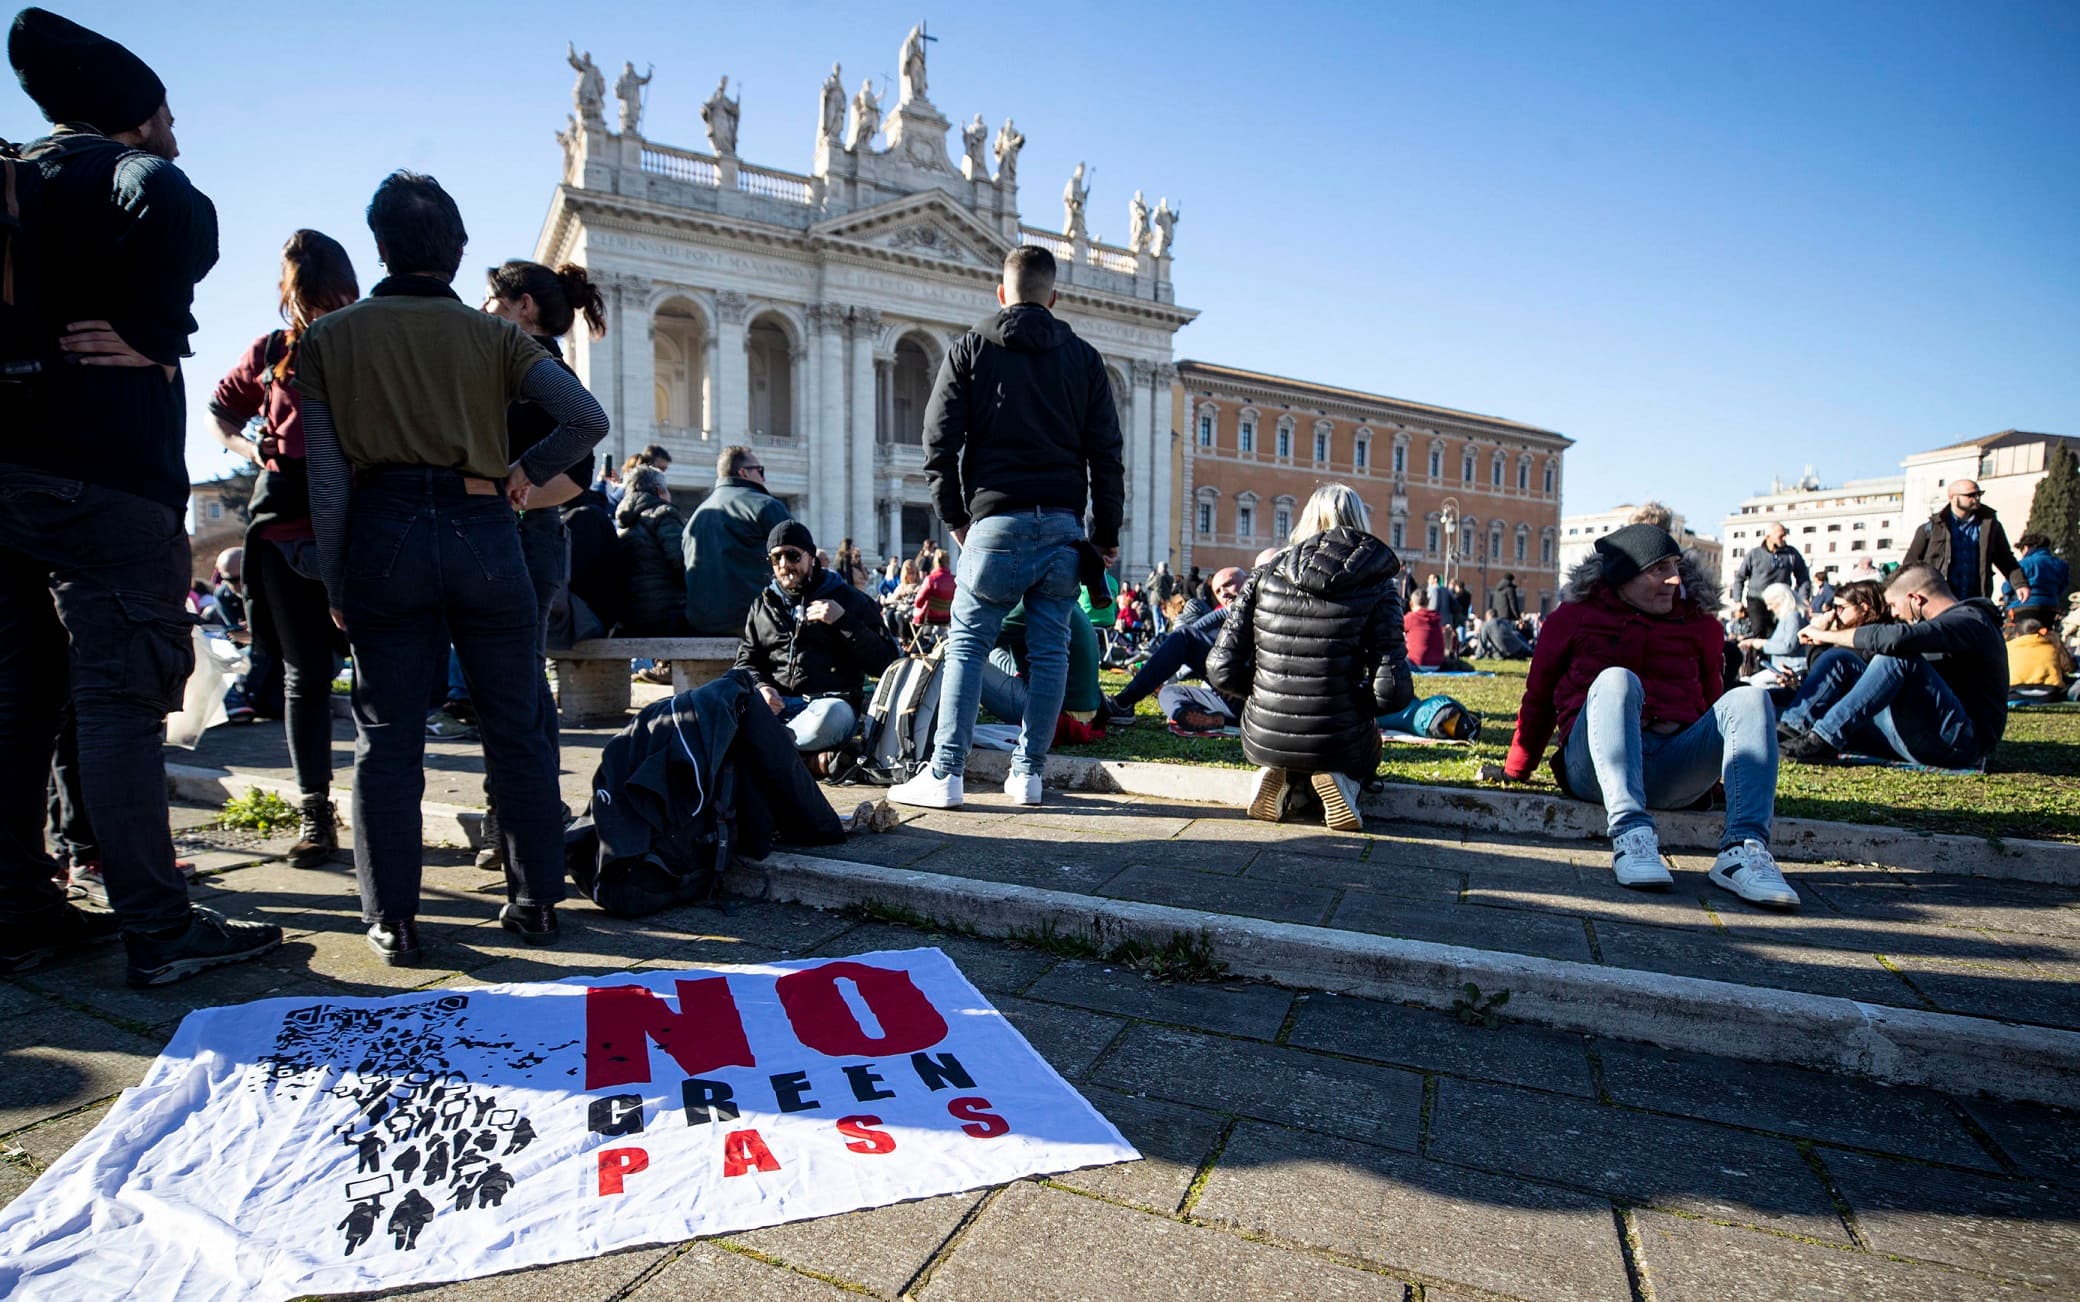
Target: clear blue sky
(1710, 242)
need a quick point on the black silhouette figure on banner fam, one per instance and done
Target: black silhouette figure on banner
(451, 1112)
(360, 1224)
(437, 1164)
(493, 1185)
(487, 1140)
(484, 1106)
(406, 1163)
(410, 1218)
(465, 1190)
(371, 1146)
(427, 1116)
(523, 1135)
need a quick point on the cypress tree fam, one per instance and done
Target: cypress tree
(2055, 510)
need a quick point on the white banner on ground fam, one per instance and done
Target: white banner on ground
(294, 1146)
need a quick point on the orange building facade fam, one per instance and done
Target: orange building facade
(1253, 447)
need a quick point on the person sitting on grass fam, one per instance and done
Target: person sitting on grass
(1313, 644)
(2039, 666)
(1186, 646)
(1423, 631)
(1628, 675)
(1948, 712)
(1499, 639)
(1780, 651)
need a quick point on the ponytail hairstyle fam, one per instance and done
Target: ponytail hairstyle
(317, 277)
(559, 296)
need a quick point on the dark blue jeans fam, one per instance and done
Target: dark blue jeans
(423, 553)
(1182, 648)
(92, 588)
(1892, 707)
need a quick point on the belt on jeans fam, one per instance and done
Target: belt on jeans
(1037, 511)
(474, 485)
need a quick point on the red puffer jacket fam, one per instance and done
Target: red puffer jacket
(1677, 656)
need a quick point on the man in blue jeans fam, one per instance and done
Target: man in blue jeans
(1184, 647)
(1879, 692)
(1021, 437)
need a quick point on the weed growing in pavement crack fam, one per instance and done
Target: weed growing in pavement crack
(1052, 940)
(1183, 957)
(257, 811)
(1474, 1010)
(903, 915)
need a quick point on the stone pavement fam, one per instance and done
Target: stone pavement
(1296, 1144)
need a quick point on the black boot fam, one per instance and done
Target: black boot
(397, 940)
(317, 834)
(492, 854)
(534, 923)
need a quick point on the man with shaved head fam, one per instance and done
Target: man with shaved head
(1776, 561)
(1965, 543)
(1185, 647)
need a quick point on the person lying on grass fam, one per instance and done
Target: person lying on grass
(1628, 674)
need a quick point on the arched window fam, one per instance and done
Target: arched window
(770, 355)
(1551, 467)
(1495, 469)
(1495, 541)
(1398, 534)
(1281, 519)
(1207, 517)
(1246, 433)
(1285, 439)
(1545, 548)
(1245, 517)
(1466, 471)
(679, 346)
(1437, 458)
(1524, 476)
(1321, 442)
(1523, 550)
(910, 389)
(1206, 427)
(1469, 531)
(1433, 536)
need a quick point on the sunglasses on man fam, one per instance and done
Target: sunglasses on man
(791, 555)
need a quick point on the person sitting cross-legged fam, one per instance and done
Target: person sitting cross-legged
(1185, 646)
(1947, 712)
(1499, 639)
(810, 642)
(1629, 674)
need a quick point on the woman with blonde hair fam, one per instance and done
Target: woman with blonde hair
(1314, 644)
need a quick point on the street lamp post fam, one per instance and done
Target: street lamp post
(1448, 517)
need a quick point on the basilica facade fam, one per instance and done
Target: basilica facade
(806, 314)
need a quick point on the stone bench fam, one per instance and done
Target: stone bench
(592, 676)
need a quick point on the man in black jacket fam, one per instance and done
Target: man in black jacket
(1021, 437)
(93, 549)
(725, 544)
(1965, 543)
(1934, 690)
(810, 642)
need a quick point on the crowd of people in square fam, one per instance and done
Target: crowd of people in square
(426, 508)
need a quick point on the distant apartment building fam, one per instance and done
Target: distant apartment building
(2007, 466)
(1255, 446)
(1578, 535)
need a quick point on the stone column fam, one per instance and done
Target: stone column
(865, 329)
(1163, 500)
(828, 505)
(732, 415)
(1147, 507)
(1133, 452)
(892, 540)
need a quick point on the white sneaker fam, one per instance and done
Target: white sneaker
(1267, 795)
(1024, 789)
(1750, 871)
(1636, 859)
(929, 791)
(1339, 797)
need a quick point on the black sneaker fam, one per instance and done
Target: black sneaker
(1786, 734)
(1810, 748)
(68, 931)
(396, 940)
(211, 940)
(1117, 715)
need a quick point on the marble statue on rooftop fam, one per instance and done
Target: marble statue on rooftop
(1137, 223)
(974, 141)
(720, 113)
(1009, 142)
(629, 90)
(1074, 196)
(912, 64)
(590, 94)
(866, 117)
(1166, 228)
(832, 121)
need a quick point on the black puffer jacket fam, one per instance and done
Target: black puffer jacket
(797, 656)
(650, 552)
(1314, 644)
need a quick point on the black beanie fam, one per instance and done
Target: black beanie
(1632, 549)
(77, 75)
(791, 533)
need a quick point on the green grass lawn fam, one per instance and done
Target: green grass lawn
(2033, 791)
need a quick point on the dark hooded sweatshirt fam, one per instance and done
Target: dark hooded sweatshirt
(1964, 645)
(1022, 416)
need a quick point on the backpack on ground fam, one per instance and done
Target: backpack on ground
(902, 719)
(1441, 716)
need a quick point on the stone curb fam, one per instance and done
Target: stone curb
(444, 824)
(1537, 814)
(1898, 1046)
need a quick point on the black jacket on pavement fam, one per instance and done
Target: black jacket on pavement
(1964, 645)
(122, 238)
(690, 781)
(650, 552)
(724, 555)
(1314, 643)
(797, 656)
(1022, 416)
(1931, 547)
